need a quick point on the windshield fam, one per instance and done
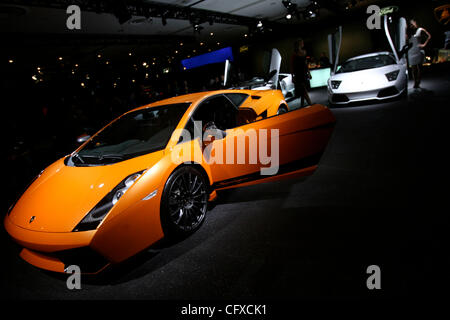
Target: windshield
(366, 63)
(135, 133)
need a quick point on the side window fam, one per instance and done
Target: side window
(237, 98)
(219, 110)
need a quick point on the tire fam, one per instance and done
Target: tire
(184, 202)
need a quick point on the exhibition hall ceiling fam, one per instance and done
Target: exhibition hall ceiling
(48, 17)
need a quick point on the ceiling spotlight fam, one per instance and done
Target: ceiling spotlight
(211, 34)
(308, 14)
(11, 61)
(291, 9)
(287, 4)
(197, 28)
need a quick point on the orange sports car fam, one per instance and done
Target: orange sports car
(149, 174)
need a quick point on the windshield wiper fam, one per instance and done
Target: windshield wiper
(101, 157)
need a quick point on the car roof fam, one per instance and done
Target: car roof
(373, 54)
(194, 97)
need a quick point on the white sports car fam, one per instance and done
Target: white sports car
(287, 87)
(379, 75)
(270, 82)
(370, 76)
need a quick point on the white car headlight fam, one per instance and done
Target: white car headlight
(335, 84)
(392, 76)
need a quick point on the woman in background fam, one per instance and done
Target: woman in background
(300, 72)
(416, 54)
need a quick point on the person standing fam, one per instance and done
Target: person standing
(300, 72)
(416, 54)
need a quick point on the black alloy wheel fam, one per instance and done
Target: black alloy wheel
(184, 202)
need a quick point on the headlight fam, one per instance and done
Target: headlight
(392, 76)
(96, 215)
(335, 84)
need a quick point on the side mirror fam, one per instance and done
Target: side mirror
(83, 138)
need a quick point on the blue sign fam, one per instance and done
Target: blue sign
(211, 57)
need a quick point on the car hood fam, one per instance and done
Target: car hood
(62, 195)
(364, 80)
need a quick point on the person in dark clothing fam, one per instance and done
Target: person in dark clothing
(324, 61)
(300, 72)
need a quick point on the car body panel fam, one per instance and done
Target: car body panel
(70, 202)
(62, 195)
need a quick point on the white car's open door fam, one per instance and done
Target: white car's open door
(395, 30)
(226, 73)
(334, 48)
(274, 68)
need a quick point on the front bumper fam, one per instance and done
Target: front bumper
(377, 94)
(54, 251)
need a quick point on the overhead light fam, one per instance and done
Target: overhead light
(312, 10)
(144, 64)
(130, 54)
(197, 28)
(11, 61)
(60, 58)
(259, 24)
(291, 9)
(211, 34)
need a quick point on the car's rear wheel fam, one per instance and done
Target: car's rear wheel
(184, 202)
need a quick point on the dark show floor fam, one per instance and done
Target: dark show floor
(379, 197)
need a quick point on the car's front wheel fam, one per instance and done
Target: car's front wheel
(184, 202)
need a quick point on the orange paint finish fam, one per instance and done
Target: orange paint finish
(44, 218)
